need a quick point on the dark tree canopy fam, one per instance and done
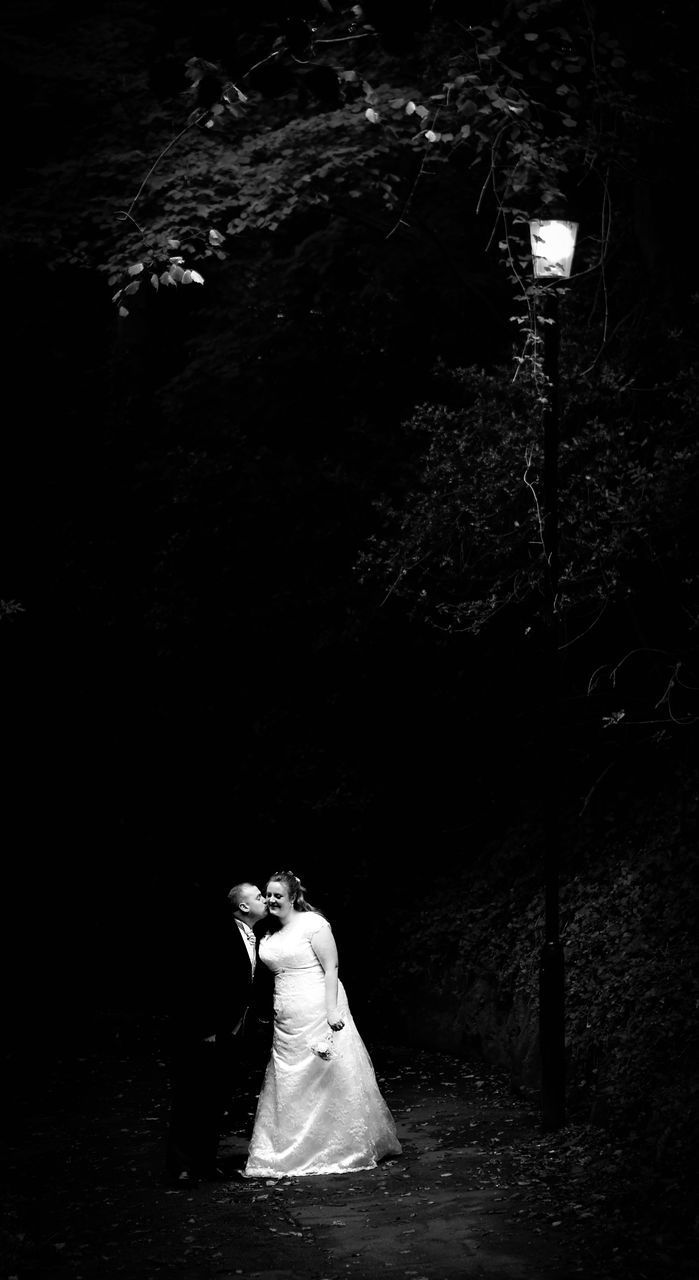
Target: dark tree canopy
(301, 461)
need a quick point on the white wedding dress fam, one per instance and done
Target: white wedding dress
(314, 1115)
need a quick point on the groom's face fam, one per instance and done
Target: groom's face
(255, 902)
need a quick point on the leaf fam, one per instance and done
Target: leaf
(196, 278)
(215, 237)
(371, 115)
(133, 287)
(136, 269)
(123, 311)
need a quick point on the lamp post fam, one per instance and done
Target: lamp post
(552, 246)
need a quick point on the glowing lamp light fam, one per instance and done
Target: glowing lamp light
(553, 246)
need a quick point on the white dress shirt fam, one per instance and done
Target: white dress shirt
(249, 940)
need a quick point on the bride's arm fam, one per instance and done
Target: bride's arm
(324, 947)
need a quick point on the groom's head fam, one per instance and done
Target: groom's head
(248, 903)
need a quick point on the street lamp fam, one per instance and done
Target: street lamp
(553, 246)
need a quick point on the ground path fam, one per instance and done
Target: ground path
(479, 1192)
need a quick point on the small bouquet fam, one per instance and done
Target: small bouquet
(322, 1045)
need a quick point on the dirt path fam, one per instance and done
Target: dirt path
(479, 1192)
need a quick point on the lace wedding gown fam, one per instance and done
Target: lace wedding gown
(314, 1115)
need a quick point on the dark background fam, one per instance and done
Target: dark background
(198, 687)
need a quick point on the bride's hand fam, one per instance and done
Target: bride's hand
(336, 1023)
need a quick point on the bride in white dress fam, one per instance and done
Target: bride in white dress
(320, 1109)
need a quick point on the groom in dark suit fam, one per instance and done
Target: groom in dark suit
(219, 1003)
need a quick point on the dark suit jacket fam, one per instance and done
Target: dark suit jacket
(209, 970)
(248, 997)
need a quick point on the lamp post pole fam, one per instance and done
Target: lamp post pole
(553, 244)
(551, 970)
